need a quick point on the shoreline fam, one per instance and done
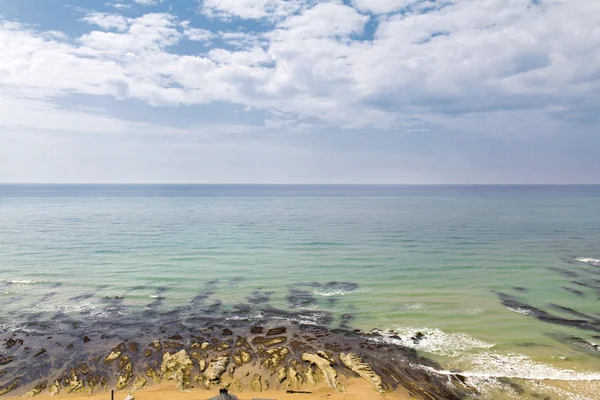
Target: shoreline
(246, 359)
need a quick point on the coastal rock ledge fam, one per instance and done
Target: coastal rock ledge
(242, 359)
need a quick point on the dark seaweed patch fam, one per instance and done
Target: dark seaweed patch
(299, 298)
(574, 291)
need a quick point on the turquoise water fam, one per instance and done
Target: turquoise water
(434, 259)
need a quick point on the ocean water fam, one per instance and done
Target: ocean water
(502, 281)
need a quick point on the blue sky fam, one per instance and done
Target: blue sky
(300, 91)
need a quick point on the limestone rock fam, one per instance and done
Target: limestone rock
(268, 341)
(178, 367)
(139, 382)
(215, 369)
(325, 366)
(275, 358)
(37, 389)
(281, 374)
(242, 357)
(55, 388)
(152, 374)
(112, 357)
(10, 387)
(5, 360)
(362, 369)
(126, 369)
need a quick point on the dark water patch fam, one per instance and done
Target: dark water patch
(527, 309)
(573, 312)
(520, 289)
(344, 287)
(564, 272)
(259, 297)
(82, 297)
(573, 291)
(300, 298)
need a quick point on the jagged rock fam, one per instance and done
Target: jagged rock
(74, 383)
(202, 346)
(39, 352)
(223, 346)
(86, 339)
(112, 357)
(9, 388)
(277, 331)
(37, 389)
(242, 357)
(215, 369)
(362, 369)
(134, 347)
(126, 369)
(147, 352)
(294, 381)
(200, 358)
(226, 332)
(139, 382)
(241, 342)
(257, 384)
(325, 366)
(256, 330)
(156, 346)
(152, 374)
(10, 343)
(5, 360)
(268, 341)
(178, 366)
(55, 388)
(281, 374)
(275, 357)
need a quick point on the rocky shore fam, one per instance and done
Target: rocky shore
(245, 359)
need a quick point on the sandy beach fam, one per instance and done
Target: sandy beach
(355, 389)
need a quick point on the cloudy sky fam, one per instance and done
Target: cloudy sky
(300, 91)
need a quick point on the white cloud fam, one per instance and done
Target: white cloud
(107, 21)
(251, 9)
(314, 63)
(382, 6)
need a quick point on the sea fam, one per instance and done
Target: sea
(498, 282)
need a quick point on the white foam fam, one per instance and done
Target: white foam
(21, 281)
(483, 366)
(338, 292)
(522, 311)
(414, 306)
(592, 261)
(475, 311)
(434, 341)
(156, 296)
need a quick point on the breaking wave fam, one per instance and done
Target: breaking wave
(592, 261)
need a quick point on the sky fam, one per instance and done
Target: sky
(300, 91)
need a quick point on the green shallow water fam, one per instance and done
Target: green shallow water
(427, 259)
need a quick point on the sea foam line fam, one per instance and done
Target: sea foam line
(479, 356)
(338, 292)
(592, 261)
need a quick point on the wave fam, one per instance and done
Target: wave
(21, 281)
(433, 341)
(522, 311)
(592, 261)
(414, 306)
(338, 292)
(483, 367)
